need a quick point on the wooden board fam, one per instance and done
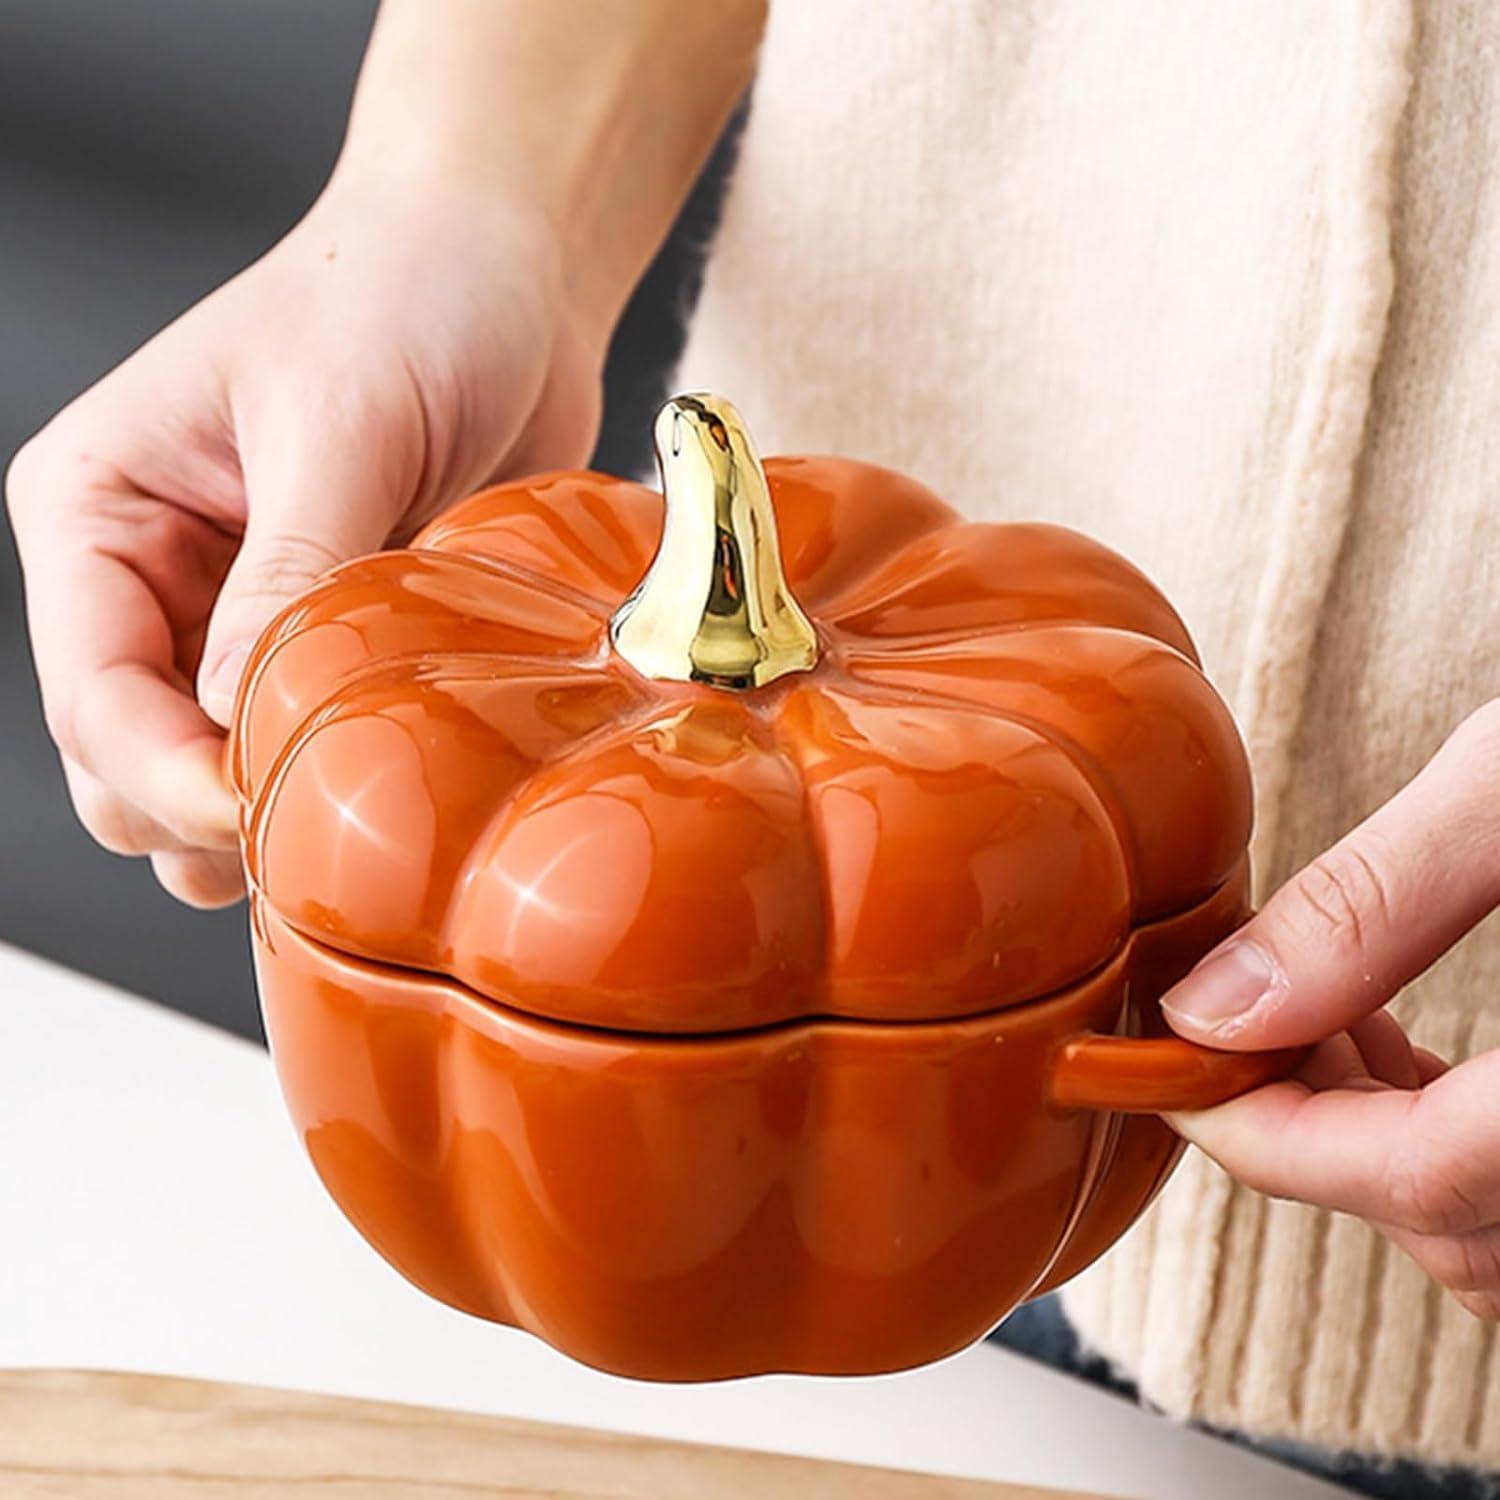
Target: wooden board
(77, 1436)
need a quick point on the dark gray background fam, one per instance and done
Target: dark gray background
(147, 151)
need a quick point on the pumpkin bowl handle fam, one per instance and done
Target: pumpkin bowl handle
(1150, 1075)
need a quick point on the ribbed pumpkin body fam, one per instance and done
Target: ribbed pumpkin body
(706, 1033)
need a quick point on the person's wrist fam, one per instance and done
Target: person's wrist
(446, 189)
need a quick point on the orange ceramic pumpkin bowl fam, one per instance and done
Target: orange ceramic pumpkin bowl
(719, 955)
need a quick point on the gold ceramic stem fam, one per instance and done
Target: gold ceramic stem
(714, 605)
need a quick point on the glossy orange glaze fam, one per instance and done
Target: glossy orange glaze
(1005, 759)
(703, 1031)
(839, 1197)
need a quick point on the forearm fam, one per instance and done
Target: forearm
(596, 113)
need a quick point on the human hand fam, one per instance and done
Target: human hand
(399, 348)
(1371, 1125)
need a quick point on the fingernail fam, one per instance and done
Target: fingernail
(217, 697)
(1219, 995)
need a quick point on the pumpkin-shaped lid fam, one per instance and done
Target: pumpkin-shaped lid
(817, 747)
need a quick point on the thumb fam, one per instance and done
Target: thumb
(1343, 935)
(313, 500)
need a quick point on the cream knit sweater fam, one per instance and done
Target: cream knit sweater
(1220, 284)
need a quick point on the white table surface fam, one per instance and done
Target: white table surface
(157, 1214)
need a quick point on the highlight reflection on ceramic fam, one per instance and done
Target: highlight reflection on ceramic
(497, 870)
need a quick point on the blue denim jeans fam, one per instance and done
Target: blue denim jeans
(1040, 1331)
